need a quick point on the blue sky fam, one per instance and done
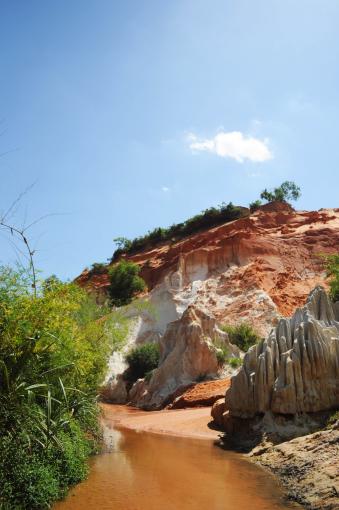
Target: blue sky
(137, 114)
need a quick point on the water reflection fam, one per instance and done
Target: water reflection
(142, 471)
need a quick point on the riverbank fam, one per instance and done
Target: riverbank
(308, 468)
(191, 423)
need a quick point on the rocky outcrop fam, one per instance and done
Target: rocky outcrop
(188, 352)
(115, 390)
(308, 467)
(200, 394)
(296, 369)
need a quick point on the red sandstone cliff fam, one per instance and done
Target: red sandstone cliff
(253, 269)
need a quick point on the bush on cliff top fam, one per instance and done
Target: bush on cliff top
(98, 268)
(206, 219)
(254, 206)
(288, 190)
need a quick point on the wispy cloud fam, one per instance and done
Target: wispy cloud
(234, 145)
(165, 189)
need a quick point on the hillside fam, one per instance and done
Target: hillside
(255, 268)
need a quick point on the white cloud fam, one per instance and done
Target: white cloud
(234, 145)
(165, 189)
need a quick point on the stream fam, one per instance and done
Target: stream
(146, 471)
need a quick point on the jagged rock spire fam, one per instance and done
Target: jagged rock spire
(294, 370)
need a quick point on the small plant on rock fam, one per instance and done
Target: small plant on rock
(332, 270)
(222, 354)
(243, 335)
(235, 362)
(333, 418)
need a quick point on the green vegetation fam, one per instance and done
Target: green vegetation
(206, 219)
(242, 335)
(125, 282)
(332, 419)
(98, 268)
(288, 190)
(235, 362)
(223, 355)
(53, 355)
(254, 206)
(332, 269)
(221, 352)
(142, 360)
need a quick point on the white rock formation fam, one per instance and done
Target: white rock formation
(191, 283)
(114, 388)
(187, 352)
(296, 369)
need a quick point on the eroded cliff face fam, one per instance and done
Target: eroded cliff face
(255, 269)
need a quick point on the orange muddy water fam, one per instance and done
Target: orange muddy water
(145, 471)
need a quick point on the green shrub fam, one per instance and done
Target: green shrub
(254, 206)
(332, 269)
(288, 190)
(221, 353)
(333, 419)
(98, 268)
(235, 362)
(242, 335)
(125, 282)
(27, 479)
(70, 460)
(142, 359)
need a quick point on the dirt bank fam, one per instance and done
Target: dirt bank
(182, 422)
(308, 468)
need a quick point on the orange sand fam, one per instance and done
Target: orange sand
(181, 422)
